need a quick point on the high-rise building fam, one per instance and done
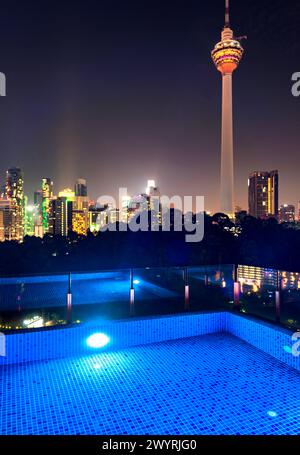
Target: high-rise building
(124, 209)
(227, 55)
(15, 193)
(263, 190)
(38, 197)
(2, 235)
(6, 217)
(287, 213)
(30, 217)
(80, 219)
(38, 204)
(81, 188)
(38, 230)
(47, 195)
(61, 213)
(98, 217)
(3, 191)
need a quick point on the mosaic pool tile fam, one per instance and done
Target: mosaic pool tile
(211, 384)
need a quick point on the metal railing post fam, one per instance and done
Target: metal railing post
(278, 297)
(206, 279)
(131, 293)
(186, 289)
(236, 289)
(69, 300)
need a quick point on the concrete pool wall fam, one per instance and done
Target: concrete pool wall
(46, 344)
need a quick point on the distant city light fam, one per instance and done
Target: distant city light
(34, 323)
(97, 340)
(136, 281)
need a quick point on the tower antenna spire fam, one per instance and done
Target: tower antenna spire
(227, 20)
(227, 55)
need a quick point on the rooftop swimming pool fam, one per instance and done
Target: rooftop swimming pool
(204, 374)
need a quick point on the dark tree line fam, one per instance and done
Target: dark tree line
(250, 241)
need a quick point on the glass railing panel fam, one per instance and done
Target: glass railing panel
(258, 287)
(158, 291)
(290, 299)
(33, 302)
(100, 295)
(210, 287)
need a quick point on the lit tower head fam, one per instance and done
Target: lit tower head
(228, 53)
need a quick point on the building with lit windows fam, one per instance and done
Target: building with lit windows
(6, 217)
(30, 218)
(287, 213)
(47, 195)
(113, 215)
(15, 194)
(38, 230)
(80, 221)
(149, 201)
(80, 217)
(254, 279)
(97, 217)
(263, 191)
(61, 213)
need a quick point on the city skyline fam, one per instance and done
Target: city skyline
(159, 117)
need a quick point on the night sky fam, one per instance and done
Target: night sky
(119, 91)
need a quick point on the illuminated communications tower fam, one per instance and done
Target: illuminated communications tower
(227, 55)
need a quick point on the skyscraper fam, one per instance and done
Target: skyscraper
(29, 217)
(263, 190)
(61, 212)
(80, 218)
(81, 188)
(227, 55)
(6, 217)
(15, 194)
(47, 194)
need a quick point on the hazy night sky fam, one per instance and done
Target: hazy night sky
(119, 91)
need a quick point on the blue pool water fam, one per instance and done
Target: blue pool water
(213, 384)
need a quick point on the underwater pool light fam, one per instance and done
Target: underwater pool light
(136, 281)
(97, 340)
(272, 414)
